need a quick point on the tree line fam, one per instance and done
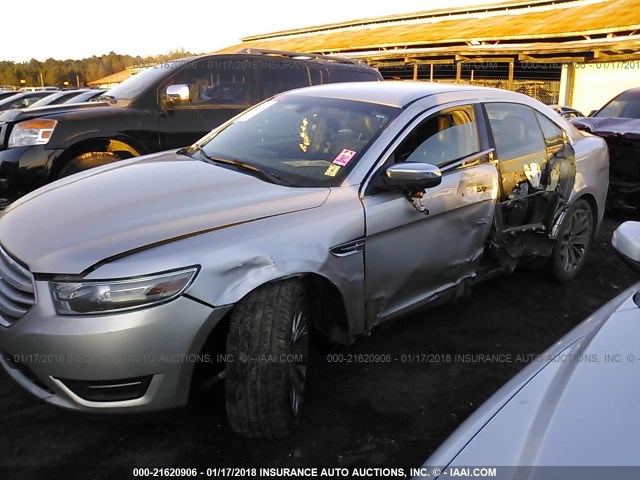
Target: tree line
(54, 72)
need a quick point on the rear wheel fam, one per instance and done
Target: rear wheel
(573, 243)
(87, 161)
(267, 351)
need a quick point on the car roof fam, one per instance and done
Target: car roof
(398, 93)
(632, 92)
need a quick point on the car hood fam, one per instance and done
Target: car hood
(609, 126)
(19, 115)
(72, 224)
(580, 408)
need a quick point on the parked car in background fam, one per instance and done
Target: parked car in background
(38, 89)
(567, 112)
(333, 208)
(67, 96)
(167, 106)
(22, 100)
(618, 122)
(6, 94)
(576, 405)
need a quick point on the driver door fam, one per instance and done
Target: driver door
(412, 257)
(218, 90)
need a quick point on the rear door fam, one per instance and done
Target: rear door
(536, 164)
(412, 257)
(277, 75)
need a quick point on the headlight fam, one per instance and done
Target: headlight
(85, 298)
(32, 132)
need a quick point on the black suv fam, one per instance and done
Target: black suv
(167, 106)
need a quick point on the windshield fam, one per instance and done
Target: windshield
(304, 141)
(139, 82)
(625, 105)
(54, 99)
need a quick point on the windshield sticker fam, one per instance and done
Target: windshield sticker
(344, 157)
(307, 163)
(332, 171)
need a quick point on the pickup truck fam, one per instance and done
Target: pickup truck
(167, 106)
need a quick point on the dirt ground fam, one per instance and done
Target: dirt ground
(357, 414)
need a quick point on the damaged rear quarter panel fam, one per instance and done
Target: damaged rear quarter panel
(592, 172)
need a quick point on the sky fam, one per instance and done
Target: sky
(76, 29)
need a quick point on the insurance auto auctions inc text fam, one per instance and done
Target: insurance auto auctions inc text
(369, 472)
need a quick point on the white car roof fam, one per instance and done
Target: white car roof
(398, 93)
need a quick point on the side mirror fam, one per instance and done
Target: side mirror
(413, 176)
(591, 113)
(626, 242)
(176, 94)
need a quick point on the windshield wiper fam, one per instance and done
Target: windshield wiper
(239, 164)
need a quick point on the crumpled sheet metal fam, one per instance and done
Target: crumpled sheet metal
(628, 128)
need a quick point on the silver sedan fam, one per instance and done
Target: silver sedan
(332, 209)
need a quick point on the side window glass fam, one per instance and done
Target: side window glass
(278, 76)
(213, 83)
(449, 135)
(351, 75)
(515, 130)
(553, 136)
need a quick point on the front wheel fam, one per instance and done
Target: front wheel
(87, 161)
(267, 354)
(573, 243)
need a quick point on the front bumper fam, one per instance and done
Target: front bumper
(23, 169)
(134, 361)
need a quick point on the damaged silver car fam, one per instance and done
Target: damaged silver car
(618, 122)
(328, 209)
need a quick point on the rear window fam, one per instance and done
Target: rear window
(281, 76)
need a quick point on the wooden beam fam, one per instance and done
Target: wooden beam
(510, 79)
(577, 48)
(571, 80)
(435, 61)
(458, 71)
(566, 59)
(601, 58)
(489, 59)
(415, 71)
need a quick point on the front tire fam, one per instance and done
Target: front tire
(267, 354)
(87, 161)
(573, 243)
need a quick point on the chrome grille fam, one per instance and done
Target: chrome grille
(16, 290)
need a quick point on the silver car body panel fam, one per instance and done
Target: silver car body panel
(576, 404)
(178, 196)
(162, 342)
(400, 240)
(165, 211)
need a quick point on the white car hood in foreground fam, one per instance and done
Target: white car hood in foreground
(582, 408)
(70, 225)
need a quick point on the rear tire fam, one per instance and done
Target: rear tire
(265, 386)
(573, 243)
(87, 161)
